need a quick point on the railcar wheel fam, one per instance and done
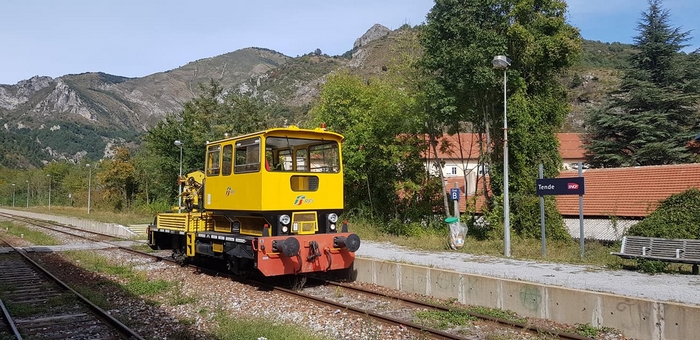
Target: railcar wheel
(297, 282)
(234, 265)
(180, 257)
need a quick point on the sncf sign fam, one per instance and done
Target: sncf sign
(561, 186)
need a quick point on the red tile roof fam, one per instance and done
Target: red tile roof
(620, 192)
(570, 147)
(628, 192)
(448, 146)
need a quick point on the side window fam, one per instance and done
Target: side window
(213, 160)
(227, 160)
(248, 155)
(302, 160)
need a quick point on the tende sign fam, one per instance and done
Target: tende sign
(560, 186)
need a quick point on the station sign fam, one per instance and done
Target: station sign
(454, 194)
(560, 186)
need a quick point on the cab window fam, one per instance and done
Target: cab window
(227, 158)
(213, 160)
(324, 157)
(247, 155)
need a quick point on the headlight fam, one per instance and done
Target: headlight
(333, 217)
(285, 229)
(332, 226)
(284, 219)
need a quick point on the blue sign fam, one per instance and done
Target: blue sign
(454, 194)
(560, 186)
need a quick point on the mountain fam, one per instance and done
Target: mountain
(83, 115)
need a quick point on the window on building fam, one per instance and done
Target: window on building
(453, 170)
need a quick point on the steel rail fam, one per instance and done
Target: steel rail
(49, 225)
(522, 325)
(36, 220)
(120, 327)
(10, 321)
(388, 319)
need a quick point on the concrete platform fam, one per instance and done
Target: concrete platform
(554, 293)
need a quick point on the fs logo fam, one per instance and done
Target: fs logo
(301, 199)
(229, 191)
(572, 186)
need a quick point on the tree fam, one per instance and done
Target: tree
(208, 117)
(460, 40)
(650, 119)
(119, 178)
(384, 174)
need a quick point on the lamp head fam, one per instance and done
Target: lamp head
(501, 62)
(179, 143)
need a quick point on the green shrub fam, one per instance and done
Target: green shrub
(576, 81)
(651, 266)
(676, 217)
(525, 217)
(401, 228)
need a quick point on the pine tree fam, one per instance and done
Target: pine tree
(649, 120)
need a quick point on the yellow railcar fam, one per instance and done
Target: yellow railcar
(268, 201)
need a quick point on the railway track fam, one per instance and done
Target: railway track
(87, 235)
(37, 305)
(376, 295)
(402, 316)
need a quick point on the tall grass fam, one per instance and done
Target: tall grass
(232, 327)
(436, 239)
(137, 281)
(34, 236)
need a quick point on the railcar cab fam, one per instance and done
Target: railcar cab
(275, 182)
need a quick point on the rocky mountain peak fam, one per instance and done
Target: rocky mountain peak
(375, 32)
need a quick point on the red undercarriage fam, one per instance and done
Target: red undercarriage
(316, 254)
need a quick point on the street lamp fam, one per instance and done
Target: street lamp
(501, 62)
(49, 176)
(27, 193)
(13, 195)
(89, 185)
(179, 144)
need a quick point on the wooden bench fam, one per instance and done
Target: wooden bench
(661, 249)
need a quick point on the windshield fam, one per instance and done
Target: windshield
(301, 155)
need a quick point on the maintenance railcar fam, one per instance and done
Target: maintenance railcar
(267, 202)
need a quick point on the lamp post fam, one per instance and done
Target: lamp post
(27, 193)
(501, 62)
(179, 144)
(13, 195)
(49, 176)
(89, 185)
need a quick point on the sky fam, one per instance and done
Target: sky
(135, 38)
